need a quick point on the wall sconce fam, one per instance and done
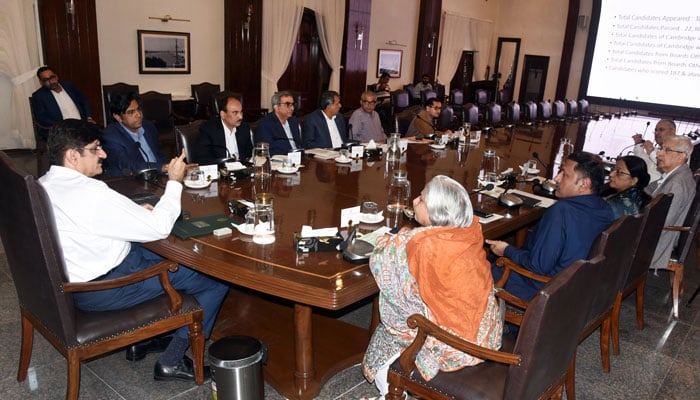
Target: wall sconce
(431, 44)
(245, 29)
(70, 10)
(359, 35)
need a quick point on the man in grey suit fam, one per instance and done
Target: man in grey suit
(676, 178)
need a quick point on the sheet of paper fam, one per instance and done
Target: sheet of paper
(308, 231)
(294, 157)
(357, 151)
(349, 214)
(211, 172)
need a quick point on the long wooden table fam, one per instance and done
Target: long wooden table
(279, 295)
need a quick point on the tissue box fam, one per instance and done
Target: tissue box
(314, 244)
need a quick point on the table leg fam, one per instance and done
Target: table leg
(304, 371)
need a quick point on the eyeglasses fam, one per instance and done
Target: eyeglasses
(666, 150)
(619, 171)
(369, 102)
(132, 111)
(95, 149)
(52, 77)
(287, 104)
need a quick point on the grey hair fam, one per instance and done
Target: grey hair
(680, 143)
(277, 97)
(327, 98)
(447, 202)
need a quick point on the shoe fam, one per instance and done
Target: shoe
(138, 351)
(182, 371)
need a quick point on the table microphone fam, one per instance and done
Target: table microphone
(537, 157)
(149, 173)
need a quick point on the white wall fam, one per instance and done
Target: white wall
(118, 21)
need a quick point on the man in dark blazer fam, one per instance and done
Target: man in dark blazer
(280, 128)
(130, 142)
(55, 101)
(224, 136)
(317, 131)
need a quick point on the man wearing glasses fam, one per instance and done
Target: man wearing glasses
(677, 178)
(55, 101)
(131, 142)
(645, 149)
(224, 137)
(280, 128)
(424, 123)
(365, 121)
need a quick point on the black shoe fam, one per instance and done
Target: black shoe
(182, 371)
(138, 351)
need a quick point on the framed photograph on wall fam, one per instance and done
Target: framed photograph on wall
(389, 61)
(164, 52)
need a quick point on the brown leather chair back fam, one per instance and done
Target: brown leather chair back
(583, 107)
(530, 111)
(571, 108)
(33, 252)
(446, 118)
(544, 109)
(558, 109)
(186, 136)
(400, 99)
(457, 97)
(549, 332)
(513, 112)
(493, 114)
(481, 97)
(203, 95)
(109, 91)
(653, 220)
(471, 113)
(427, 94)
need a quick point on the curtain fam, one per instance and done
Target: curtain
(19, 59)
(481, 32)
(281, 21)
(455, 38)
(330, 20)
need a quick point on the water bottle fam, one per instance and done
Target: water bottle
(264, 225)
(393, 150)
(399, 192)
(262, 168)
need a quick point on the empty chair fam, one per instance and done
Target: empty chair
(471, 114)
(186, 137)
(530, 111)
(446, 120)
(400, 99)
(481, 97)
(158, 108)
(46, 297)
(558, 109)
(427, 94)
(532, 367)
(544, 110)
(493, 114)
(203, 95)
(513, 113)
(440, 90)
(571, 108)
(457, 101)
(583, 107)
(108, 92)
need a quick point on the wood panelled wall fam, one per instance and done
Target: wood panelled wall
(353, 78)
(70, 47)
(243, 51)
(428, 38)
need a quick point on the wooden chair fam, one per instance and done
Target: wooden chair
(45, 295)
(653, 222)
(203, 94)
(532, 367)
(617, 245)
(186, 137)
(109, 91)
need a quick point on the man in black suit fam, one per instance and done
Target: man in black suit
(280, 128)
(223, 137)
(323, 128)
(55, 101)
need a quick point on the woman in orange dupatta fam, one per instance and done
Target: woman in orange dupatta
(438, 270)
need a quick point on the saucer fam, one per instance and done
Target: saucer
(437, 146)
(196, 184)
(497, 183)
(287, 170)
(343, 161)
(246, 229)
(371, 218)
(531, 171)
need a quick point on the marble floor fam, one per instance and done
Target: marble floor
(662, 361)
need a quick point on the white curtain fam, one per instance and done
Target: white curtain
(19, 59)
(481, 36)
(330, 20)
(281, 21)
(455, 38)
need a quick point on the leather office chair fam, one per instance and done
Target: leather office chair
(653, 222)
(583, 107)
(616, 245)
(513, 113)
(203, 95)
(559, 109)
(45, 295)
(534, 366)
(427, 94)
(400, 100)
(571, 109)
(544, 111)
(457, 102)
(446, 119)
(471, 114)
(108, 92)
(186, 136)
(481, 97)
(530, 111)
(440, 89)
(40, 132)
(158, 108)
(493, 114)
(676, 264)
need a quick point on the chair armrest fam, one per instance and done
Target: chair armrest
(510, 316)
(677, 228)
(161, 270)
(425, 328)
(511, 266)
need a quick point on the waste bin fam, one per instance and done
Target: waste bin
(236, 368)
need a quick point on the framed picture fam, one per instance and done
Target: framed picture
(164, 52)
(389, 61)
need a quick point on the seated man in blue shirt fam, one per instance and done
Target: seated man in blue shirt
(566, 231)
(131, 143)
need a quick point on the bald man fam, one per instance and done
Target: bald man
(645, 149)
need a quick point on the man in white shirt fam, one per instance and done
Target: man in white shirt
(645, 149)
(99, 231)
(365, 121)
(325, 128)
(224, 136)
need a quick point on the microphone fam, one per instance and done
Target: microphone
(645, 129)
(143, 152)
(149, 173)
(350, 135)
(537, 157)
(228, 158)
(488, 187)
(634, 144)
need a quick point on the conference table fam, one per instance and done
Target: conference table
(289, 299)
